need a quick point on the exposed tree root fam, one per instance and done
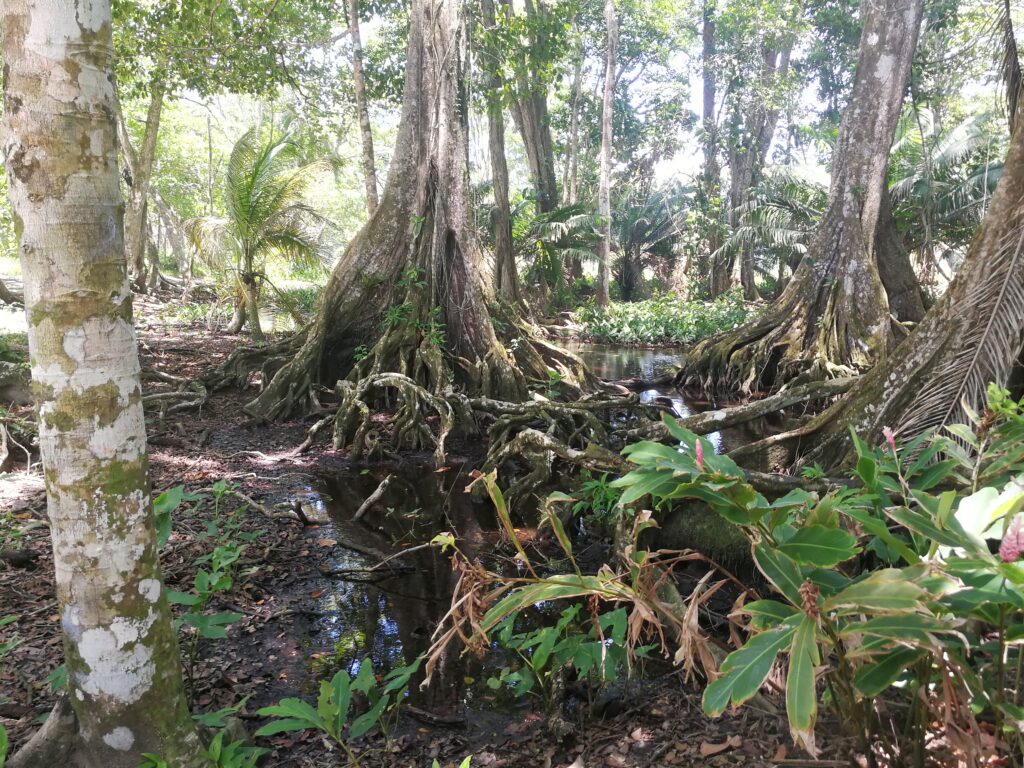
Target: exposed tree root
(54, 743)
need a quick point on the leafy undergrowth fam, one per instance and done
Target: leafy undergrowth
(663, 320)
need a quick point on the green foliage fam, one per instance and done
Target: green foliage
(332, 714)
(215, 570)
(665, 320)
(886, 587)
(596, 500)
(595, 646)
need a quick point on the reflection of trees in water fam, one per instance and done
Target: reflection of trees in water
(392, 620)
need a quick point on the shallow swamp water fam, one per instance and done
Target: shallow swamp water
(389, 613)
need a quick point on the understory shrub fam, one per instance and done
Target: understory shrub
(898, 601)
(663, 320)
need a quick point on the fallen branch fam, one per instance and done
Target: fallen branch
(373, 498)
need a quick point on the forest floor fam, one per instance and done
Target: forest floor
(267, 654)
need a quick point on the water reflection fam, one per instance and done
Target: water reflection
(390, 615)
(614, 363)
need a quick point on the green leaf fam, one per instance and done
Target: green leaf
(873, 678)
(819, 546)
(884, 591)
(285, 726)
(174, 597)
(780, 570)
(744, 671)
(340, 694)
(767, 613)
(801, 696)
(368, 719)
(296, 709)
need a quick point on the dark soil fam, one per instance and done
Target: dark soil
(267, 654)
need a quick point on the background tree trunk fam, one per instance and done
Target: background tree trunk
(604, 202)
(506, 280)
(749, 153)
(906, 299)
(359, 86)
(124, 678)
(135, 232)
(416, 254)
(530, 112)
(721, 266)
(833, 316)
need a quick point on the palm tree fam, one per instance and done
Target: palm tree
(647, 230)
(267, 218)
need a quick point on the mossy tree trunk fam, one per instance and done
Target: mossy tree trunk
(971, 337)
(833, 317)
(124, 674)
(407, 294)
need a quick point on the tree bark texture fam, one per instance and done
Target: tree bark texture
(604, 202)
(124, 678)
(902, 288)
(833, 317)
(971, 337)
(359, 86)
(414, 268)
(135, 213)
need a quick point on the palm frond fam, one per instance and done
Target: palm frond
(989, 343)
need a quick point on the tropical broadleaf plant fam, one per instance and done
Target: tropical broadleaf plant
(267, 218)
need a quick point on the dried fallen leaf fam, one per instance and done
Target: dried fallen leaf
(326, 542)
(707, 748)
(780, 753)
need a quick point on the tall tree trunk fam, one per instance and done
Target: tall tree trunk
(124, 680)
(416, 253)
(721, 264)
(833, 316)
(135, 232)
(530, 112)
(570, 187)
(748, 155)
(973, 336)
(506, 281)
(604, 201)
(175, 236)
(359, 86)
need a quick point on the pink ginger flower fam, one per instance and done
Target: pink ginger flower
(699, 455)
(1013, 542)
(890, 438)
